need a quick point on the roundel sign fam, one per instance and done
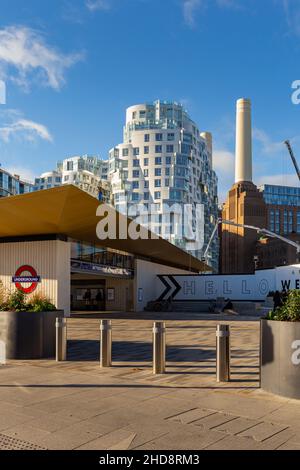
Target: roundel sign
(26, 275)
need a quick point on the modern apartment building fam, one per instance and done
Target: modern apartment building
(11, 185)
(282, 217)
(165, 160)
(87, 172)
(283, 208)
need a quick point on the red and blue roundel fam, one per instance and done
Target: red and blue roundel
(22, 277)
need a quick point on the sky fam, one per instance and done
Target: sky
(71, 67)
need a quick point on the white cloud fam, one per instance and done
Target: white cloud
(268, 146)
(286, 179)
(24, 51)
(292, 15)
(26, 130)
(223, 164)
(190, 8)
(25, 174)
(94, 5)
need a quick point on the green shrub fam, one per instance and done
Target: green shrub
(40, 303)
(16, 302)
(3, 294)
(290, 310)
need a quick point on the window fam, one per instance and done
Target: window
(277, 221)
(146, 161)
(146, 196)
(135, 196)
(158, 148)
(157, 160)
(135, 163)
(290, 221)
(167, 182)
(135, 173)
(157, 195)
(167, 171)
(69, 166)
(134, 115)
(135, 185)
(158, 137)
(142, 114)
(125, 175)
(168, 160)
(171, 136)
(157, 183)
(146, 184)
(66, 178)
(125, 152)
(146, 173)
(298, 222)
(147, 138)
(136, 151)
(146, 150)
(157, 172)
(170, 148)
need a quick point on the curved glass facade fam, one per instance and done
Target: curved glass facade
(11, 185)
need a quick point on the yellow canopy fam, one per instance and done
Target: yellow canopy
(69, 211)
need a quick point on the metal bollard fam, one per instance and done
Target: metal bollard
(61, 339)
(105, 343)
(223, 353)
(159, 347)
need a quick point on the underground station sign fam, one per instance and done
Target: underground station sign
(26, 275)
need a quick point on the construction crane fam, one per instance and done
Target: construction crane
(287, 143)
(262, 231)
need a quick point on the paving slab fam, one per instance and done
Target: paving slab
(214, 420)
(192, 415)
(70, 437)
(27, 433)
(9, 418)
(120, 439)
(237, 426)
(235, 443)
(185, 439)
(263, 431)
(162, 407)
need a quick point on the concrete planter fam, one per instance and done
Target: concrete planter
(28, 335)
(280, 358)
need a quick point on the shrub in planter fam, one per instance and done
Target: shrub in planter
(40, 303)
(280, 351)
(16, 302)
(290, 310)
(27, 325)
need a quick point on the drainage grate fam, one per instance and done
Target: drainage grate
(10, 443)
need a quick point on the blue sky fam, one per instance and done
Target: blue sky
(71, 68)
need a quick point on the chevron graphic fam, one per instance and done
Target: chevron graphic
(172, 287)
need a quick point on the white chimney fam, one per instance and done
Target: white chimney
(243, 149)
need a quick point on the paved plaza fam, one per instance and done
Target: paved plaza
(77, 405)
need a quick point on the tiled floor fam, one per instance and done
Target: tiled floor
(77, 405)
